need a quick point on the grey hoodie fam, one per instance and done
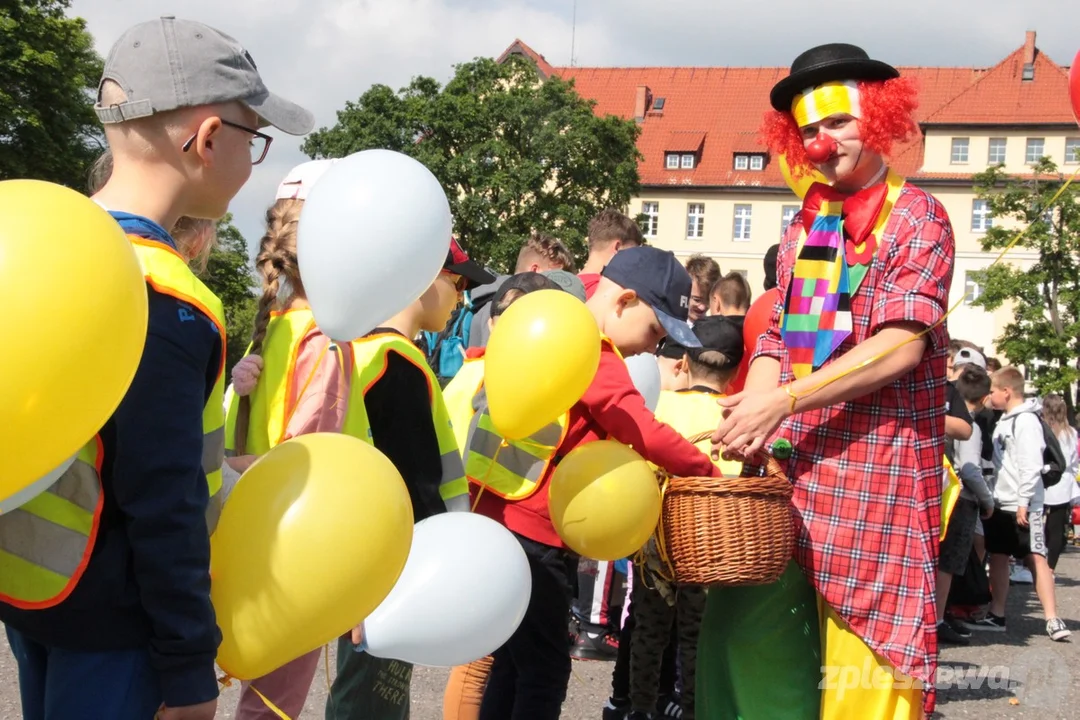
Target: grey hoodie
(1018, 459)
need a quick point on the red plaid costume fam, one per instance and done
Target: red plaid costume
(867, 473)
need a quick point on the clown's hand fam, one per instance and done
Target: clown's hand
(245, 375)
(749, 421)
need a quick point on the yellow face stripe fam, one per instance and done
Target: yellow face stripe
(815, 104)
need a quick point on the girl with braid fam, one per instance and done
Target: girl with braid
(293, 381)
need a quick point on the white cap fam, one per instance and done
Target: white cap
(968, 356)
(298, 183)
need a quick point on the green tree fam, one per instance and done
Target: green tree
(1044, 335)
(48, 77)
(514, 154)
(228, 274)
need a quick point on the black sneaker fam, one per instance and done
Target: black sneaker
(1055, 628)
(616, 709)
(990, 623)
(948, 636)
(958, 627)
(602, 647)
(638, 715)
(669, 706)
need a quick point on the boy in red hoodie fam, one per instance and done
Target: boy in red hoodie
(643, 296)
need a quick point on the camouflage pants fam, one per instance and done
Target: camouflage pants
(652, 632)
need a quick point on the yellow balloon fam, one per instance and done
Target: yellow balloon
(75, 302)
(312, 539)
(802, 184)
(540, 360)
(604, 500)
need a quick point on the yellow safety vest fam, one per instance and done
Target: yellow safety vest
(691, 413)
(459, 394)
(268, 422)
(45, 545)
(371, 353)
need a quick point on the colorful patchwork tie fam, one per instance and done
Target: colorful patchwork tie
(832, 262)
(817, 310)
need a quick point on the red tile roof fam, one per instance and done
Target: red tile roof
(725, 106)
(520, 48)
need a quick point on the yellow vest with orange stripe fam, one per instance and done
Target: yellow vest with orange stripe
(268, 422)
(371, 353)
(459, 394)
(45, 545)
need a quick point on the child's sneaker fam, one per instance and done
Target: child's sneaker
(946, 634)
(1055, 628)
(990, 623)
(616, 709)
(669, 706)
(637, 715)
(595, 646)
(1020, 575)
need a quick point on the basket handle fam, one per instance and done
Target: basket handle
(773, 468)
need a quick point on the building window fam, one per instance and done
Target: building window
(996, 155)
(972, 286)
(688, 161)
(1072, 151)
(742, 223)
(741, 272)
(748, 161)
(695, 220)
(651, 211)
(959, 151)
(786, 218)
(672, 161)
(1035, 150)
(980, 216)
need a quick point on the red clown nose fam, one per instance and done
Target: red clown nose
(1074, 87)
(821, 149)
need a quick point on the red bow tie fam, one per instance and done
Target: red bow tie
(861, 211)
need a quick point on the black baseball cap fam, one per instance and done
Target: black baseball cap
(661, 282)
(718, 333)
(458, 262)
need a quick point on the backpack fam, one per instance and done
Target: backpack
(445, 350)
(1053, 457)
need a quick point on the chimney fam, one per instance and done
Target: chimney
(1029, 57)
(641, 103)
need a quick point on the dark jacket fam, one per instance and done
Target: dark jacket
(147, 584)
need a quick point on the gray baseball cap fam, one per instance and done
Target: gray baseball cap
(166, 64)
(568, 281)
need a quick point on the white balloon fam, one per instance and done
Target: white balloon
(462, 594)
(373, 235)
(645, 372)
(35, 488)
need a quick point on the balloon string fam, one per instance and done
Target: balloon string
(666, 571)
(326, 665)
(304, 387)
(482, 482)
(273, 708)
(870, 361)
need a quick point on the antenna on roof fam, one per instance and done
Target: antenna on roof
(573, 34)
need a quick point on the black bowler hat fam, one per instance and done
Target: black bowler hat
(828, 63)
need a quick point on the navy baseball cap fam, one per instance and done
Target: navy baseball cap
(661, 282)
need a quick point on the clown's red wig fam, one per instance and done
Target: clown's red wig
(888, 116)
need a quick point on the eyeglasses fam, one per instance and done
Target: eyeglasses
(460, 283)
(260, 142)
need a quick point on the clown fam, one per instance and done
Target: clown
(852, 372)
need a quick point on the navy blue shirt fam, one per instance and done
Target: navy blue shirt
(147, 584)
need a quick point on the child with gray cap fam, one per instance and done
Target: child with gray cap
(131, 632)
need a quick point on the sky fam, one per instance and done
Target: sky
(323, 53)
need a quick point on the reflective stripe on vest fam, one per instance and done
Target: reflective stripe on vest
(46, 544)
(691, 413)
(371, 354)
(268, 403)
(459, 394)
(512, 470)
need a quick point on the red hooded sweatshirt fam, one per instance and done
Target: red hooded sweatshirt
(611, 408)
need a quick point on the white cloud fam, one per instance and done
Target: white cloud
(322, 53)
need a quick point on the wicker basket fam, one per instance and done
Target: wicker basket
(729, 531)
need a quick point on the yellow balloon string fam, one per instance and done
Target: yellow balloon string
(870, 361)
(482, 482)
(640, 558)
(273, 708)
(304, 387)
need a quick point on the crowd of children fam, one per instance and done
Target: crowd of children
(132, 635)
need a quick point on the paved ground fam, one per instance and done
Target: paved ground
(1023, 674)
